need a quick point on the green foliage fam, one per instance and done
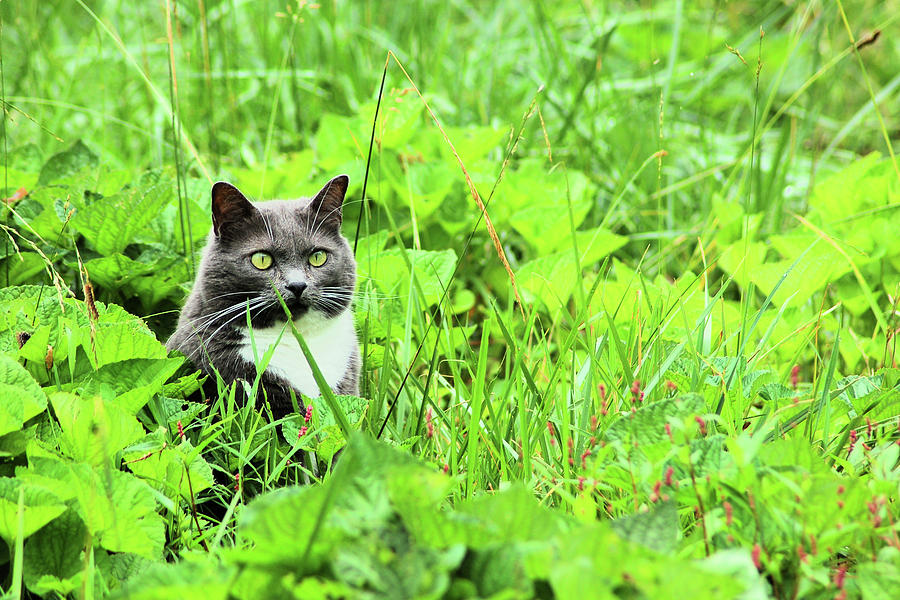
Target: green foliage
(375, 529)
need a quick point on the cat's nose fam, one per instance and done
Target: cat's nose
(297, 288)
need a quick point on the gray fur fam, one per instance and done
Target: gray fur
(289, 230)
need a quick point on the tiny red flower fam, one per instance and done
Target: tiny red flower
(795, 376)
(669, 472)
(701, 423)
(308, 415)
(181, 431)
(729, 512)
(302, 432)
(429, 425)
(755, 555)
(839, 577)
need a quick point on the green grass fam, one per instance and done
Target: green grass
(695, 202)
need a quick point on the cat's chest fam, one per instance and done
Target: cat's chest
(331, 342)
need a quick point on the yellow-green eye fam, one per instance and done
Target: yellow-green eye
(318, 258)
(261, 260)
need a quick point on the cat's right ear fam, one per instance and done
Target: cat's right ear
(229, 207)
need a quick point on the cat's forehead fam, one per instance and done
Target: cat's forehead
(285, 225)
(283, 207)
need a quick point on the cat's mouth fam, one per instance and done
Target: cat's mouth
(298, 306)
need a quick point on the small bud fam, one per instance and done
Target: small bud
(729, 511)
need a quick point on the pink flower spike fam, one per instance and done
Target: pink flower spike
(701, 423)
(180, 431)
(302, 432)
(755, 555)
(669, 472)
(839, 577)
(308, 414)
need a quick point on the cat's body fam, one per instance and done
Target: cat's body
(295, 246)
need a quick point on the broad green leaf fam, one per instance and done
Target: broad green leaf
(53, 556)
(40, 507)
(71, 161)
(868, 182)
(111, 223)
(116, 269)
(647, 424)
(22, 397)
(282, 525)
(657, 529)
(167, 469)
(552, 278)
(119, 509)
(94, 429)
(134, 380)
(538, 204)
(187, 579)
(432, 270)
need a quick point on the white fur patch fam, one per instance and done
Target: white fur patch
(331, 342)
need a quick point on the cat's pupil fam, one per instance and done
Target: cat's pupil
(318, 258)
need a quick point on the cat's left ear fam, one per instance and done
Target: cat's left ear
(326, 206)
(229, 207)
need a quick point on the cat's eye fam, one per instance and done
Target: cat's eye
(261, 260)
(318, 258)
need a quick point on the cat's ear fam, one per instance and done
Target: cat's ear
(326, 206)
(229, 206)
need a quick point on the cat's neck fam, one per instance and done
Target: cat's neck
(332, 342)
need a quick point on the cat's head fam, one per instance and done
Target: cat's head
(294, 245)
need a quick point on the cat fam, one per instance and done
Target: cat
(297, 247)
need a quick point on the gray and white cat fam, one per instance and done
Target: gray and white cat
(297, 246)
